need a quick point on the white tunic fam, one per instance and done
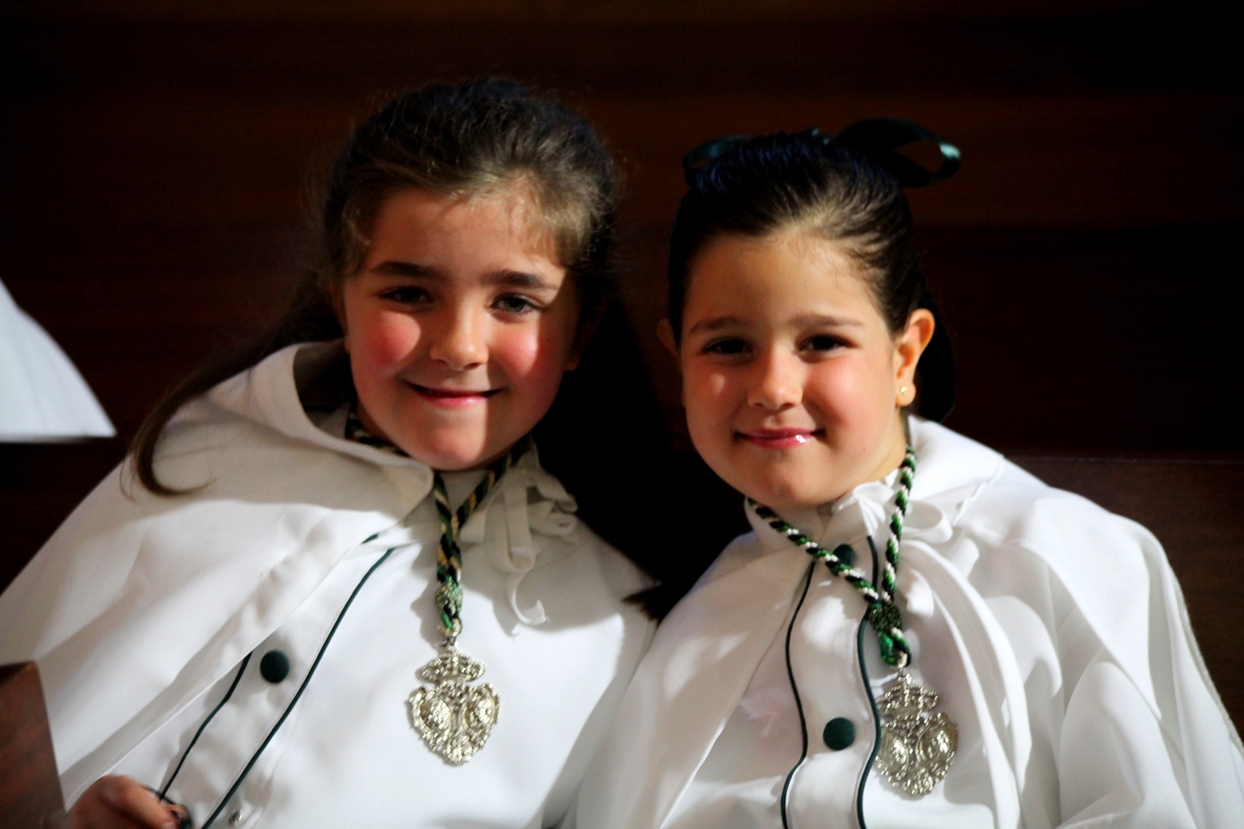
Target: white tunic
(1054, 632)
(141, 610)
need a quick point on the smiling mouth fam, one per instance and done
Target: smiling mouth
(778, 438)
(453, 397)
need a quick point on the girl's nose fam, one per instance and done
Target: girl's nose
(459, 344)
(778, 383)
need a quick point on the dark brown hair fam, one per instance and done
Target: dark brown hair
(456, 140)
(840, 192)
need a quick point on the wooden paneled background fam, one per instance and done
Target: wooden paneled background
(157, 159)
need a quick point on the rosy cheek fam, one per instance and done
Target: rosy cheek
(714, 392)
(835, 387)
(706, 394)
(526, 351)
(387, 339)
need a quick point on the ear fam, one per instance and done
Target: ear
(665, 333)
(910, 344)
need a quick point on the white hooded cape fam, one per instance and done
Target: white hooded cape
(139, 604)
(1054, 631)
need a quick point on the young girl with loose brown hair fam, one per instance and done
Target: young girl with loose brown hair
(343, 590)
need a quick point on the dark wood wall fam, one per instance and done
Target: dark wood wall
(157, 159)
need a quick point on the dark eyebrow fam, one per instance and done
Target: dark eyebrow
(396, 268)
(512, 279)
(521, 279)
(714, 324)
(718, 323)
(826, 319)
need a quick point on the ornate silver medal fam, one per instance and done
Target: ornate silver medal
(453, 718)
(917, 746)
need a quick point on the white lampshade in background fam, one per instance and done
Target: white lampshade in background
(43, 398)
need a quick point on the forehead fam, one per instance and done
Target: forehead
(775, 274)
(417, 220)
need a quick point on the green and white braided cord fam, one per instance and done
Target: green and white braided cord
(883, 614)
(448, 553)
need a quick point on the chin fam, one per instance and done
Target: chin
(442, 458)
(779, 495)
(782, 485)
(459, 463)
(794, 503)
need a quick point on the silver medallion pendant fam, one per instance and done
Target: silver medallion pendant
(453, 718)
(917, 746)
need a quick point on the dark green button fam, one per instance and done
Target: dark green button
(845, 554)
(274, 666)
(839, 733)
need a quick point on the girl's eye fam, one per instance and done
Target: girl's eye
(823, 342)
(728, 347)
(515, 304)
(407, 295)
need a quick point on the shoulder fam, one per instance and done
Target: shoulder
(1011, 536)
(253, 494)
(985, 495)
(254, 434)
(1052, 521)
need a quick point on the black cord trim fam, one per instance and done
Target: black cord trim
(163, 793)
(176, 810)
(310, 672)
(872, 702)
(794, 689)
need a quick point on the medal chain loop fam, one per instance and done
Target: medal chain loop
(452, 716)
(883, 613)
(917, 746)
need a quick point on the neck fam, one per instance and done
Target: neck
(893, 452)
